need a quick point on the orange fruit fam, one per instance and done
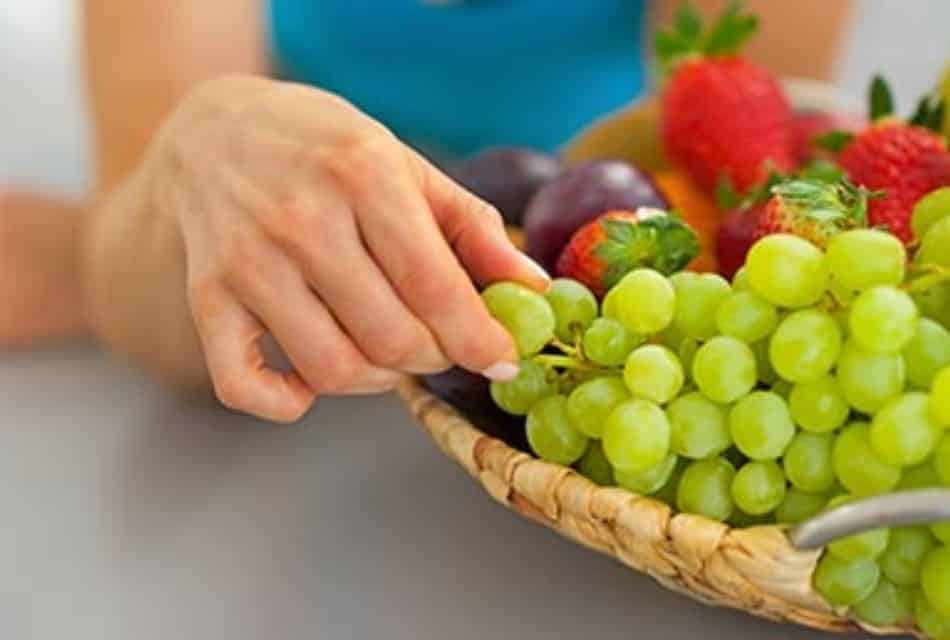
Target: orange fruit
(698, 211)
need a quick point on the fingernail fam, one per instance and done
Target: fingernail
(537, 268)
(501, 371)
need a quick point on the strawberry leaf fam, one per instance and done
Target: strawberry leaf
(929, 113)
(726, 195)
(662, 242)
(881, 99)
(730, 31)
(833, 141)
(688, 23)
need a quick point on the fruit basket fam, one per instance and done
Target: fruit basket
(764, 444)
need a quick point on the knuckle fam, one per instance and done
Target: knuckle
(204, 298)
(338, 369)
(231, 390)
(361, 160)
(394, 349)
(245, 261)
(292, 224)
(432, 289)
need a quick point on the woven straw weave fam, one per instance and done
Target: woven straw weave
(756, 569)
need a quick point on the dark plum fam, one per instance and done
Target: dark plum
(577, 196)
(469, 393)
(507, 177)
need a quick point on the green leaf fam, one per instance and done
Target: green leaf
(823, 170)
(687, 23)
(881, 99)
(669, 46)
(929, 112)
(726, 195)
(833, 141)
(730, 31)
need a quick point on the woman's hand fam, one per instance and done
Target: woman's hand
(303, 218)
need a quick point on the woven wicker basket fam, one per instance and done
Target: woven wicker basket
(757, 569)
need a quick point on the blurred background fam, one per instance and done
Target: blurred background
(42, 126)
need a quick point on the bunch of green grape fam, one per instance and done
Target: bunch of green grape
(814, 378)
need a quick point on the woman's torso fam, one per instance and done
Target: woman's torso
(463, 76)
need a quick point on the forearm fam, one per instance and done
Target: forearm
(133, 273)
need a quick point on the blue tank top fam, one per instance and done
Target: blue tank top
(462, 76)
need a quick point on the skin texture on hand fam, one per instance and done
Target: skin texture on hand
(39, 283)
(301, 217)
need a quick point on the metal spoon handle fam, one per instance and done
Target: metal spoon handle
(920, 506)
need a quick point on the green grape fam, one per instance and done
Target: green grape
(643, 301)
(746, 316)
(869, 380)
(763, 363)
(636, 436)
(650, 480)
(761, 425)
(934, 243)
(935, 579)
(697, 426)
(758, 487)
(667, 493)
(799, 506)
(940, 397)
(532, 384)
(927, 353)
(883, 319)
(902, 432)
(724, 369)
(526, 315)
(742, 520)
(941, 460)
(653, 372)
(934, 303)
(858, 468)
(941, 531)
(930, 209)
(936, 626)
(922, 476)
(888, 605)
(862, 258)
(787, 271)
(595, 466)
(590, 403)
(697, 298)
(867, 544)
(819, 406)
(740, 281)
(805, 346)
(705, 488)
(575, 307)
(550, 433)
(904, 556)
(608, 343)
(808, 464)
(846, 582)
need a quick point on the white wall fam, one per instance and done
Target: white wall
(42, 140)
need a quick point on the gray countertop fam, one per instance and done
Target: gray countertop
(129, 514)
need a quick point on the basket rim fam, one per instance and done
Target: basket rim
(754, 569)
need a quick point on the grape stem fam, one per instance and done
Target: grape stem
(566, 348)
(934, 275)
(566, 362)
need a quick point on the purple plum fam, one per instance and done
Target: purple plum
(579, 195)
(507, 177)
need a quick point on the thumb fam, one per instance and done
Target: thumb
(476, 232)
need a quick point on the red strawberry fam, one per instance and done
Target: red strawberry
(809, 124)
(723, 117)
(813, 209)
(604, 250)
(736, 236)
(905, 160)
